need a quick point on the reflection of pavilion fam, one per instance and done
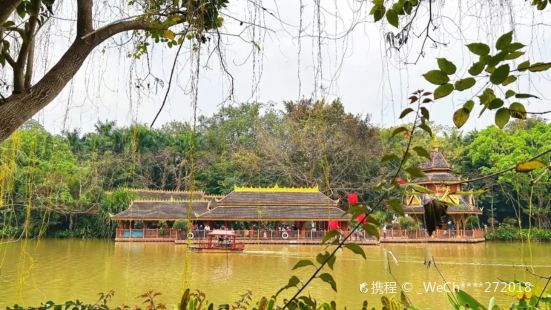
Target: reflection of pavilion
(445, 185)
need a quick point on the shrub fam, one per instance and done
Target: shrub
(407, 223)
(180, 224)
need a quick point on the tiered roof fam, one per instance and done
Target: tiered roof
(163, 210)
(154, 194)
(437, 170)
(242, 204)
(275, 204)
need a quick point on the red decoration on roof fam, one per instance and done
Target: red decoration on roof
(352, 198)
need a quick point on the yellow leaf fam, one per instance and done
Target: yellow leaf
(528, 166)
(169, 34)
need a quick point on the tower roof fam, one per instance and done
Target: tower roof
(436, 169)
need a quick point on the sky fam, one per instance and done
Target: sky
(282, 58)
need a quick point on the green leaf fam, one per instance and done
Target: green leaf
(510, 93)
(356, 249)
(540, 66)
(415, 172)
(465, 84)
(460, 117)
(528, 166)
(293, 282)
(502, 117)
(426, 128)
(514, 46)
(405, 112)
(514, 55)
(330, 235)
(525, 96)
(465, 299)
(510, 79)
(378, 12)
(442, 91)
(425, 113)
(436, 77)
(371, 230)
(303, 263)
(392, 17)
(523, 66)
(396, 205)
(469, 105)
(446, 66)
(421, 152)
(517, 110)
(480, 49)
(476, 68)
(408, 7)
(419, 188)
(399, 130)
(327, 278)
(487, 96)
(321, 257)
(494, 104)
(500, 74)
(504, 41)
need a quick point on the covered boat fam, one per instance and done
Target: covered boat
(219, 241)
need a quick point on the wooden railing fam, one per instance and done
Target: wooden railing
(290, 235)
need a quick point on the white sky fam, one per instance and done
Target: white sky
(371, 80)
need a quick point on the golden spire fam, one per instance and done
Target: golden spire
(435, 144)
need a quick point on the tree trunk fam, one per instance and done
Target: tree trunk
(18, 108)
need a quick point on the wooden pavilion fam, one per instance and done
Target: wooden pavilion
(447, 187)
(274, 212)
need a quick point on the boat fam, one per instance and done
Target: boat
(219, 241)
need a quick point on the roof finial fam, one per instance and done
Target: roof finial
(435, 144)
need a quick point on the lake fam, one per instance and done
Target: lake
(58, 270)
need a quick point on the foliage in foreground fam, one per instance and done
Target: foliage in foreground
(524, 299)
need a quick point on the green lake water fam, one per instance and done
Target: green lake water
(58, 270)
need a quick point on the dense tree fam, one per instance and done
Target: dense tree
(66, 185)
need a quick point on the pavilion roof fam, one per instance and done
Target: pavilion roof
(437, 162)
(437, 177)
(162, 210)
(151, 194)
(275, 213)
(276, 196)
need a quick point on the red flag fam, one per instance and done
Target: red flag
(352, 198)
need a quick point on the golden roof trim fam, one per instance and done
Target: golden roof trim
(277, 189)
